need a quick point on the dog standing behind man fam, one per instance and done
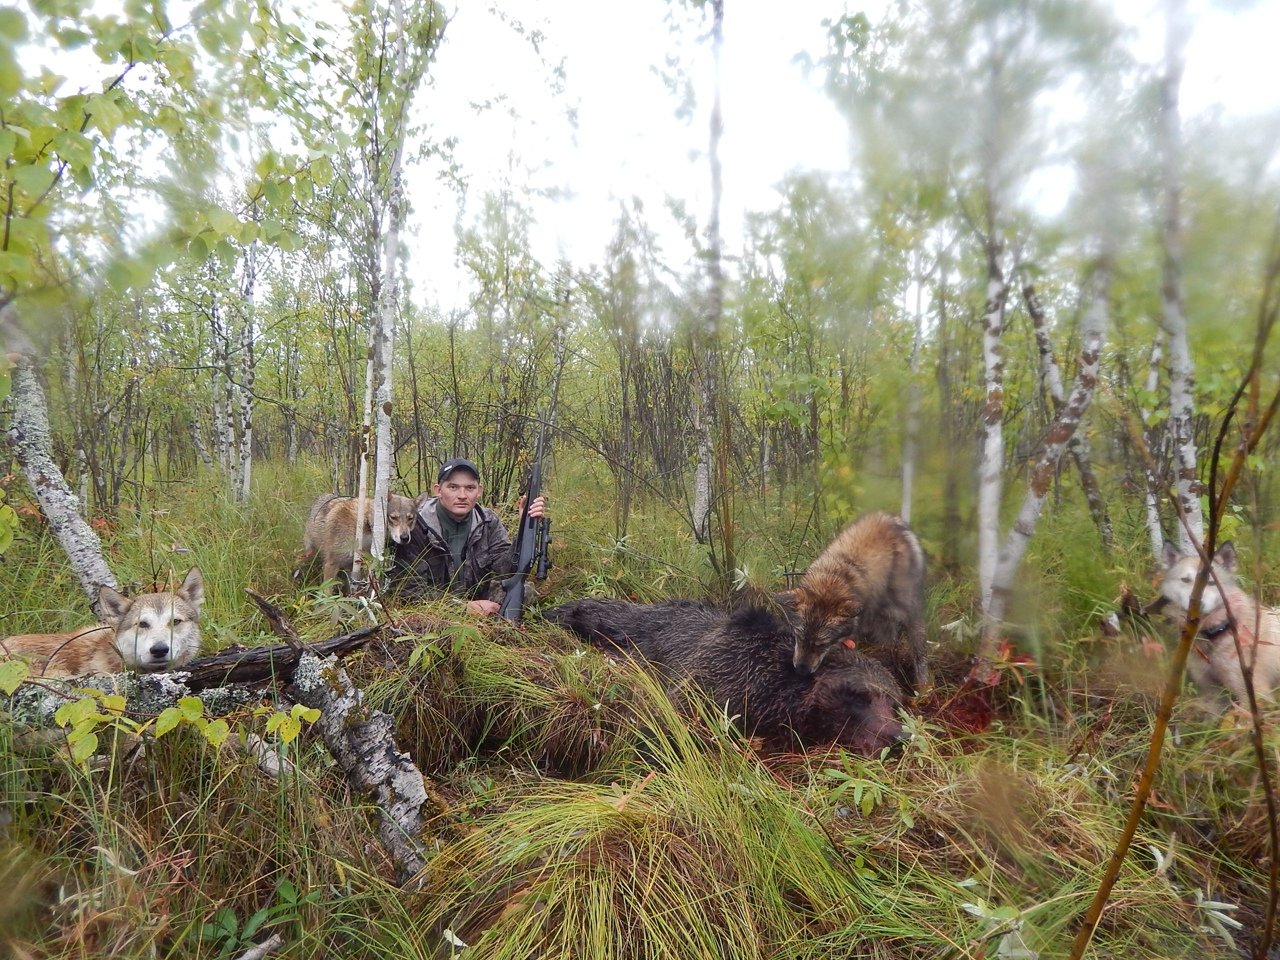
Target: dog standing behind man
(1214, 663)
(865, 591)
(330, 532)
(149, 633)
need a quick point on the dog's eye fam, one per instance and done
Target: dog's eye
(145, 624)
(178, 621)
(1187, 579)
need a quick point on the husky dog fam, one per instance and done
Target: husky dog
(331, 524)
(865, 591)
(150, 633)
(742, 660)
(1214, 663)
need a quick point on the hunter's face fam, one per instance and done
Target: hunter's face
(459, 493)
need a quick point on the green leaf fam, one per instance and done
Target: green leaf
(74, 713)
(82, 747)
(192, 708)
(169, 718)
(223, 221)
(322, 172)
(32, 179)
(13, 25)
(216, 732)
(289, 729)
(12, 673)
(113, 703)
(8, 140)
(300, 712)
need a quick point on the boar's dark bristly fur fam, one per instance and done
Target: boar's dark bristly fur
(743, 661)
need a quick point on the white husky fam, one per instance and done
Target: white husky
(1215, 663)
(150, 633)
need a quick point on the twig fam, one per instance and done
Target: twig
(263, 949)
(281, 627)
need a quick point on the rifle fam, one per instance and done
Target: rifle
(530, 553)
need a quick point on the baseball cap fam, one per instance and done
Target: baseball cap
(457, 463)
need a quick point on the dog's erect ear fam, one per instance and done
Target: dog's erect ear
(115, 605)
(1171, 554)
(1226, 555)
(192, 589)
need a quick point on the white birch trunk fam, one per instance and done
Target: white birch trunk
(1078, 445)
(1172, 299)
(247, 369)
(362, 483)
(388, 301)
(991, 461)
(910, 442)
(1155, 530)
(31, 439)
(708, 415)
(1040, 478)
(218, 387)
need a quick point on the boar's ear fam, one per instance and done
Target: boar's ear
(1171, 554)
(192, 589)
(114, 605)
(1226, 555)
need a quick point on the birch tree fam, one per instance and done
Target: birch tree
(1172, 298)
(1056, 440)
(31, 438)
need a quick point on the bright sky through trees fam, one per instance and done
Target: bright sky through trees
(628, 142)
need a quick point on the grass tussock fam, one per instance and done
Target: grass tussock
(581, 814)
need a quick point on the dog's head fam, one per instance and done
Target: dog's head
(1180, 573)
(828, 618)
(156, 631)
(401, 511)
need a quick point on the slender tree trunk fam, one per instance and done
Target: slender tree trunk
(711, 422)
(362, 483)
(991, 462)
(1040, 479)
(1155, 530)
(247, 370)
(1172, 299)
(1078, 445)
(31, 439)
(911, 441)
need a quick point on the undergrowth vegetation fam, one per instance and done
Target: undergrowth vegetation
(578, 813)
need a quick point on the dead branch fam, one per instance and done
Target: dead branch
(362, 741)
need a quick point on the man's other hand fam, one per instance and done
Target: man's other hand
(537, 509)
(482, 608)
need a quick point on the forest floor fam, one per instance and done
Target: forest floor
(577, 813)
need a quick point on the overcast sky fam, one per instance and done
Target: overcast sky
(628, 141)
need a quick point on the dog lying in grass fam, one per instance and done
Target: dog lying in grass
(150, 633)
(1215, 664)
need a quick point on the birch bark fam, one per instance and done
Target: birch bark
(1155, 530)
(1078, 445)
(240, 485)
(1093, 328)
(388, 300)
(911, 441)
(31, 439)
(708, 417)
(1172, 298)
(991, 461)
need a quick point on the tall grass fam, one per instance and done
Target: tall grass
(581, 814)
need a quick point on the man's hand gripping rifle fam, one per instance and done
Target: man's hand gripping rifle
(530, 553)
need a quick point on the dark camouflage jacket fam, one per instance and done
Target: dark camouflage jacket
(423, 567)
